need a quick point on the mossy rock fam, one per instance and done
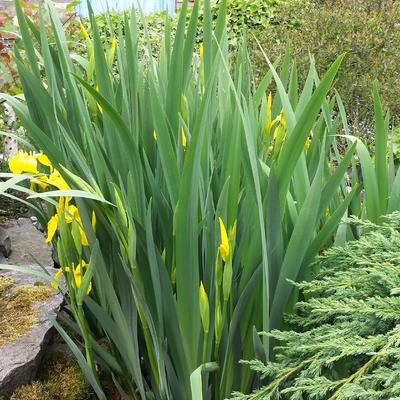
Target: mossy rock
(17, 308)
(25, 331)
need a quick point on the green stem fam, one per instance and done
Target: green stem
(204, 354)
(149, 346)
(86, 339)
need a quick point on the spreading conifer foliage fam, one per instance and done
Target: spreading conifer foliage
(345, 337)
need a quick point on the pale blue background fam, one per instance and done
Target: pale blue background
(148, 6)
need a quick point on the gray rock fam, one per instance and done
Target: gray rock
(20, 360)
(28, 244)
(35, 222)
(5, 243)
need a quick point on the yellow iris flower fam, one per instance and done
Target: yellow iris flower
(279, 135)
(52, 228)
(57, 277)
(23, 162)
(78, 273)
(269, 124)
(224, 247)
(40, 181)
(71, 213)
(44, 160)
(55, 179)
(28, 162)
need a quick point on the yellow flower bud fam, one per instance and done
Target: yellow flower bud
(307, 144)
(268, 116)
(84, 239)
(184, 140)
(94, 220)
(224, 247)
(113, 44)
(204, 308)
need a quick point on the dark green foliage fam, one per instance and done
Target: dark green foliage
(242, 16)
(367, 30)
(345, 342)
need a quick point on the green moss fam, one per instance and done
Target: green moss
(17, 312)
(60, 378)
(36, 391)
(6, 284)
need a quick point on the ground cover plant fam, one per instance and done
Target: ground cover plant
(181, 196)
(344, 337)
(59, 378)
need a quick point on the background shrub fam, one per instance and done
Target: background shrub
(242, 15)
(368, 31)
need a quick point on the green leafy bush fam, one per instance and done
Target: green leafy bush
(368, 31)
(345, 341)
(242, 15)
